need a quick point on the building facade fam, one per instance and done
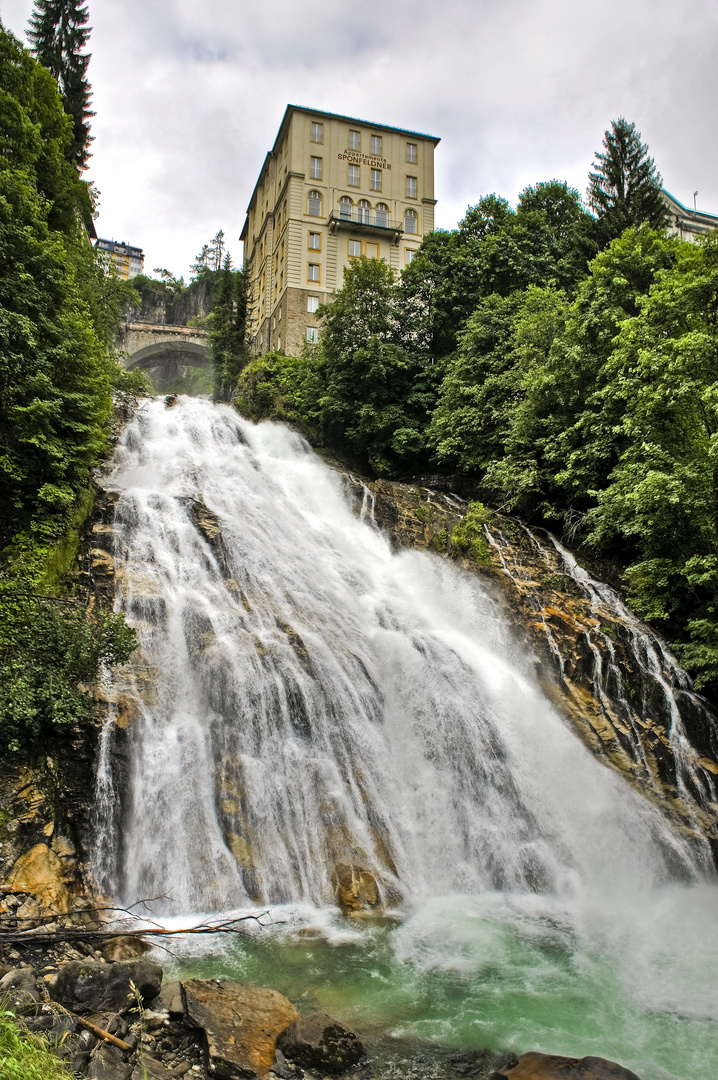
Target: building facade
(127, 261)
(686, 223)
(331, 190)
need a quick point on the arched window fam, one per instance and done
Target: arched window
(364, 211)
(345, 208)
(382, 215)
(314, 204)
(411, 221)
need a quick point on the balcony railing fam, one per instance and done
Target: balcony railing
(354, 217)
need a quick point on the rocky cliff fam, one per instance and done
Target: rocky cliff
(611, 676)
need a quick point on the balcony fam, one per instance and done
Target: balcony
(368, 222)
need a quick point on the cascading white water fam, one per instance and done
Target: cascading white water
(316, 699)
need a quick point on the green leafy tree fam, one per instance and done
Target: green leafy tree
(59, 32)
(48, 648)
(227, 329)
(624, 188)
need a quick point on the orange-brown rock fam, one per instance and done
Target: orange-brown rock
(124, 947)
(535, 1066)
(44, 874)
(357, 890)
(241, 1023)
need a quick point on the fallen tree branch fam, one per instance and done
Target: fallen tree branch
(100, 1033)
(39, 936)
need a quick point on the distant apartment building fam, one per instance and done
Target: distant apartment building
(686, 223)
(330, 190)
(128, 261)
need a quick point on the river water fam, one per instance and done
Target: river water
(308, 699)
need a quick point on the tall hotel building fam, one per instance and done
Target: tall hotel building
(331, 189)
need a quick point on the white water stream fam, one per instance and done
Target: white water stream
(316, 699)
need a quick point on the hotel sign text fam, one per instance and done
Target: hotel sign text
(364, 159)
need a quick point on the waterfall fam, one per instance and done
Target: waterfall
(305, 699)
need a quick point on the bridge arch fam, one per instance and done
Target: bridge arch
(176, 358)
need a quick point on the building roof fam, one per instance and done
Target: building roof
(288, 113)
(711, 220)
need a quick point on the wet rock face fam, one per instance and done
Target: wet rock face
(611, 676)
(319, 1042)
(241, 1023)
(90, 987)
(536, 1066)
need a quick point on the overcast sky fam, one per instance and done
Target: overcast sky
(189, 95)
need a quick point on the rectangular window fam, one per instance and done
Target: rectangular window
(279, 315)
(376, 144)
(317, 132)
(372, 251)
(376, 179)
(354, 140)
(312, 334)
(353, 178)
(313, 272)
(315, 241)
(354, 248)
(312, 304)
(408, 256)
(411, 187)
(411, 153)
(315, 168)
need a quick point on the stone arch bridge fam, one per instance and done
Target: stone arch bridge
(169, 354)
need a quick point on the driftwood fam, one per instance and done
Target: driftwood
(100, 1033)
(38, 935)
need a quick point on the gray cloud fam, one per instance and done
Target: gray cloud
(189, 95)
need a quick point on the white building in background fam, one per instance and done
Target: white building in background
(686, 223)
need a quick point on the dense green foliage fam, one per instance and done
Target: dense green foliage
(59, 32)
(48, 648)
(24, 1056)
(227, 328)
(59, 310)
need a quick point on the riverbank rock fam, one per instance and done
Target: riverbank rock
(241, 1023)
(319, 1042)
(535, 1066)
(43, 873)
(18, 987)
(90, 987)
(124, 947)
(357, 890)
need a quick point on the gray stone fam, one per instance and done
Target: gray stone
(319, 1042)
(19, 987)
(171, 1000)
(94, 987)
(151, 1069)
(108, 1064)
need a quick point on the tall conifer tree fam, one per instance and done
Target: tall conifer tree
(59, 32)
(625, 187)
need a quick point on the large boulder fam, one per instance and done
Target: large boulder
(535, 1066)
(88, 987)
(46, 875)
(241, 1023)
(319, 1042)
(18, 987)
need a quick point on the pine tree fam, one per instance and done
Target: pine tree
(625, 188)
(58, 32)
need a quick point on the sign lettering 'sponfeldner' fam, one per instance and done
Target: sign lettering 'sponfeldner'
(364, 159)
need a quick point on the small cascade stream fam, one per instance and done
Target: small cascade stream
(309, 707)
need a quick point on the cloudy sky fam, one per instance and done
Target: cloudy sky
(189, 95)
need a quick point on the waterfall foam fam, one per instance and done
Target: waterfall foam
(307, 699)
